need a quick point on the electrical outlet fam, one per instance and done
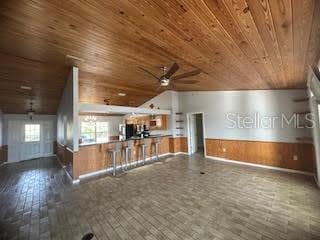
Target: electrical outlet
(295, 157)
(224, 150)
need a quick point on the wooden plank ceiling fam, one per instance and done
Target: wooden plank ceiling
(239, 44)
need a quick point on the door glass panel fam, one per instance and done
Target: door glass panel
(32, 132)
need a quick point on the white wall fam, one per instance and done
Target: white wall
(67, 114)
(113, 121)
(216, 105)
(24, 117)
(1, 128)
(168, 101)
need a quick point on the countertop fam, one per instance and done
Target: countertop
(114, 141)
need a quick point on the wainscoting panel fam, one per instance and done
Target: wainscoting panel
(178, 144)
(65, 156)
(274, 154)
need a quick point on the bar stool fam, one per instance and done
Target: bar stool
(156, 143)
(128, 153)
(143, 145)
(114, 151)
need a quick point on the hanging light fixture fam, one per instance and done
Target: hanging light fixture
(90, 118)
(31, 112)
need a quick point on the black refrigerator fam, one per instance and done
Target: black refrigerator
(129, 130)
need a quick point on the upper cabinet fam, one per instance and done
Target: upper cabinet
(158, 122)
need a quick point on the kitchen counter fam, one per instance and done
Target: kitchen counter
(94, 157)
(130, 139)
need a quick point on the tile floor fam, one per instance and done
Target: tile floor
(166, 200)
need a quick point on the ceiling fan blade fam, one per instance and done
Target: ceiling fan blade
(150, 73)
(186, 81)
(188, 74)
(171, 71)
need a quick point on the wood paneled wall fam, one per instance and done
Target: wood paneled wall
(65, 156)
(93, 158)
(178, 144)
(3, 154)
(274, 154)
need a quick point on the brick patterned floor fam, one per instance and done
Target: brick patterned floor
(166, 200)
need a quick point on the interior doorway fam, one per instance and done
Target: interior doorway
(196, 133)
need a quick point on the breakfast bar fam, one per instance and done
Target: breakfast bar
(95, 158)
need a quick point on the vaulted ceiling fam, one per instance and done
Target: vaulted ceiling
(238, 44)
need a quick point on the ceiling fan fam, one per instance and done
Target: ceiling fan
(168, 79)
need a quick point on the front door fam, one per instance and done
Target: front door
(25, 140)
(31, 142)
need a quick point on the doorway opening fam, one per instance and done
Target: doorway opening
(196, 142)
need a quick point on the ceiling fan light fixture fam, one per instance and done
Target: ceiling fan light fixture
(164, 82)
(31, 112)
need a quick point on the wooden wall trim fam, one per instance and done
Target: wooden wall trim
(3, 154)
(178, 144)
(244, 140)
(275, 154)
(65, 157)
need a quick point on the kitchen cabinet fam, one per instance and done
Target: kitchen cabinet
(158, 122)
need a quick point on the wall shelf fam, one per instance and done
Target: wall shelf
(179, 127)
(179, 121)
(301, 100)
(302, 113)
(179, 113)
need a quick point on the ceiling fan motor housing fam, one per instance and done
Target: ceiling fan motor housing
(164, 82)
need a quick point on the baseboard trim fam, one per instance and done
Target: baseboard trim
(29, 159)
(260, 166)
(178, 153)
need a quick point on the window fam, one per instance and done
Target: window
(32, 132)
(88, 132)
(102, 132)
(94, 131)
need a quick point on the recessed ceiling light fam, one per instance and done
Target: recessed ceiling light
(26, 88)
(121, 94)
(75, 58)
